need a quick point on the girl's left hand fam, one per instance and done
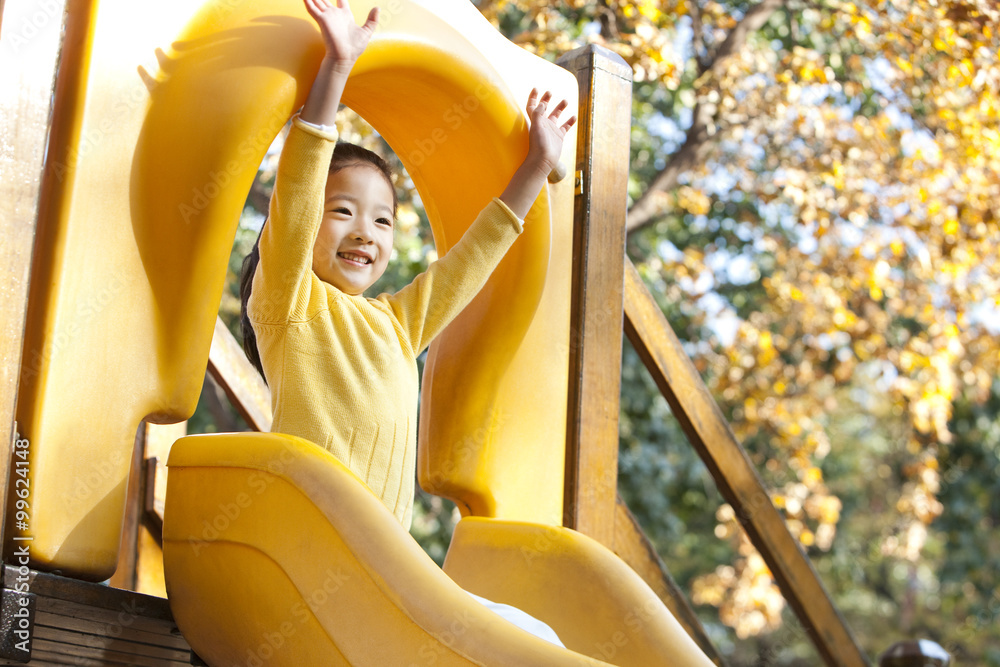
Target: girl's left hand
(345, 40)
(546, 134)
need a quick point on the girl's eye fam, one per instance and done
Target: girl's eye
(384, 221)
(341, 210)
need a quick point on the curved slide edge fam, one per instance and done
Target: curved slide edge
(595, 602)
(269, 540)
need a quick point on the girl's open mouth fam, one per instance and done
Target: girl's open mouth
(355, 259)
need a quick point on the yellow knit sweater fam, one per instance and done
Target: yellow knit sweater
(342, 369)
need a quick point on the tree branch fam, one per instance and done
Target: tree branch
(697, 142)
(609, 22)
(752, 21)
(697, 36)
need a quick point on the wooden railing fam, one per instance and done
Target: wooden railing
(711, 436)
(599, 299)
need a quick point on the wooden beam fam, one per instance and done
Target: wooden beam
(153, 506)
(149, 546)
(135, 494)
(239, 379)
(633, 547)
(29, 59)
(159, 439)
(595, 326)
(709, 432)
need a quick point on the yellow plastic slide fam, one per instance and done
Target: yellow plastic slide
(277, 554)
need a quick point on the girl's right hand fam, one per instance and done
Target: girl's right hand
(345, 40)
(546, 131)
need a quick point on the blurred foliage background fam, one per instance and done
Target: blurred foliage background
(814, 200)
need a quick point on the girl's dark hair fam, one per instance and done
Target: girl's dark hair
(344, 155)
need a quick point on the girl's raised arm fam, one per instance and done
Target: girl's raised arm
(345, 42)
(545, 140)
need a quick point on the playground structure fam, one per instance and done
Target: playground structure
(116, 242)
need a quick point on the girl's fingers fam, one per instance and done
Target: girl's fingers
(536, 108)
(532, 101)
(317, 7)
(372, 21)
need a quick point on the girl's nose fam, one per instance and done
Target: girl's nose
(364, 231)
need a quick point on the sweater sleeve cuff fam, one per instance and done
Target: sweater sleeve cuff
(507, 213)
(328, 132)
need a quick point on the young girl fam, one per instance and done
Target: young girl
(341, 367)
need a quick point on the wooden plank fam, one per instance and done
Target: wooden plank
(737, 479)
(47, 659)
(131, 615)
(633, 547)
(88, 626)
(152, 505)
(159, 439)
(151, 580)
(29, 58)
(78, 622)
(149, 559)
(75, 641)
(124, 576)
(596, 311)
(239, 379)
(85, 599)
(102, 656)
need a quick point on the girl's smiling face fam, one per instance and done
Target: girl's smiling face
(354, 242)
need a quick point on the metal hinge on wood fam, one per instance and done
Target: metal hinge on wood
(578, 182)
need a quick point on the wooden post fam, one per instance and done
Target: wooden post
(140, 557)
(596, 312)
(239, 379)
(710, 434)
(125, 574)
(29, 58)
